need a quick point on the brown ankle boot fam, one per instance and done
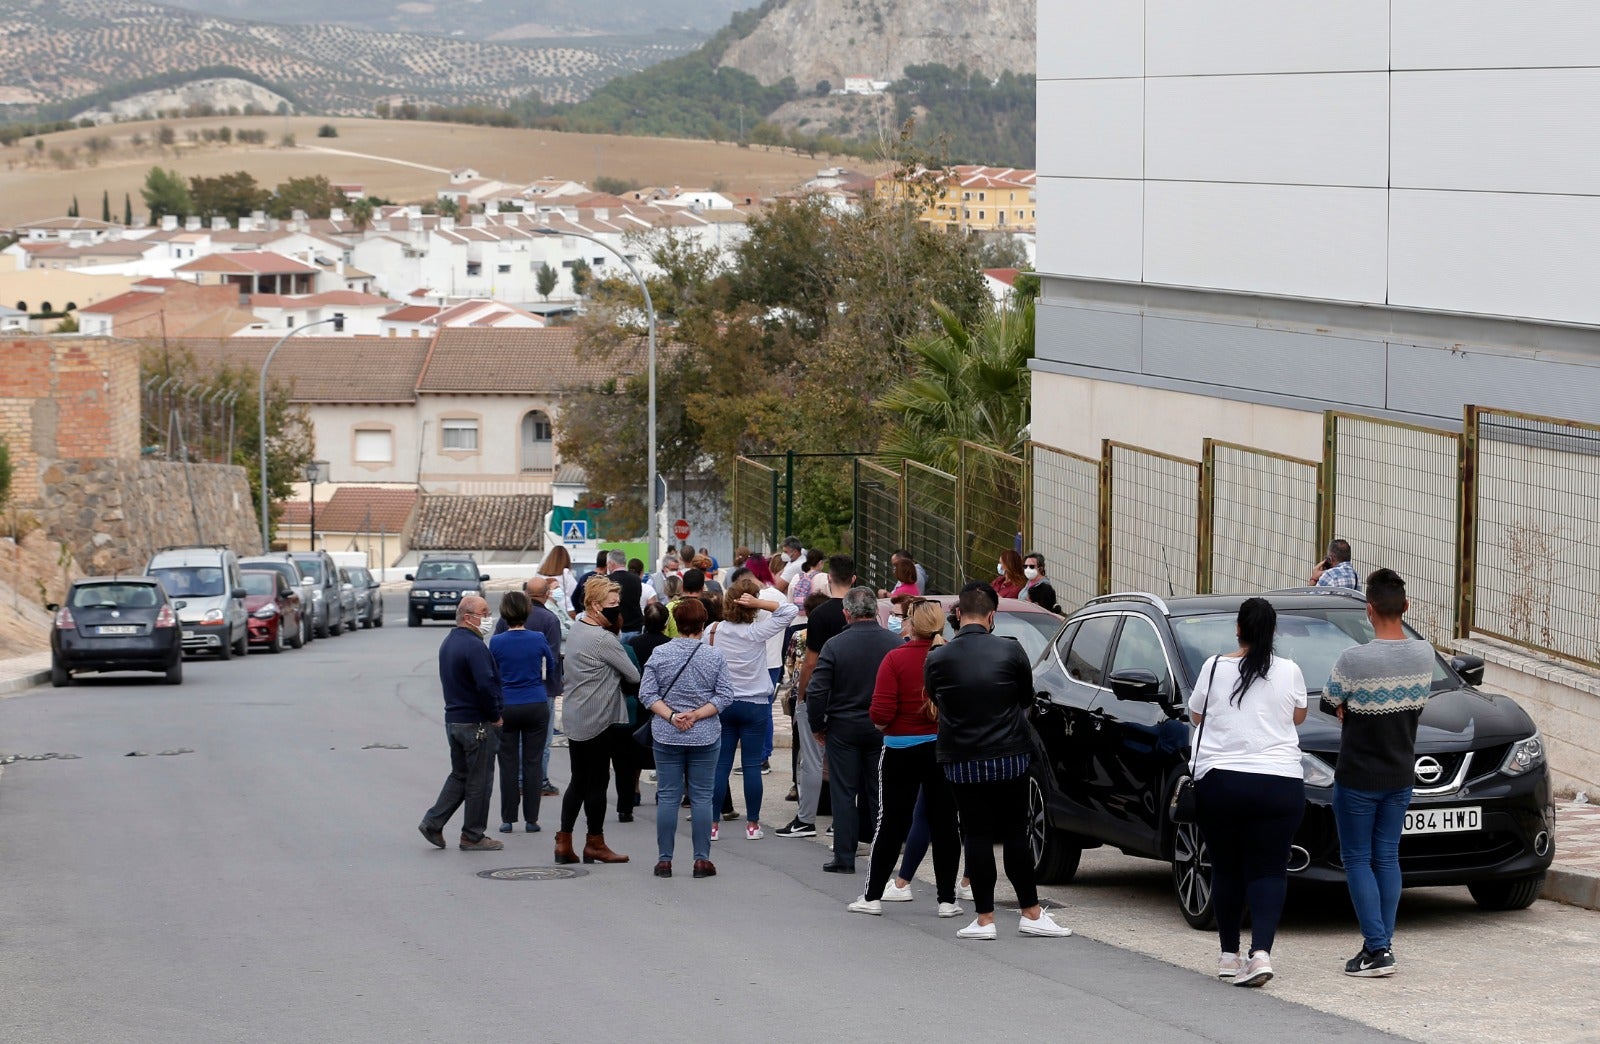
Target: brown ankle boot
(595, 850)
(564, 852)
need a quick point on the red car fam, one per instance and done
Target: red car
(273, 609)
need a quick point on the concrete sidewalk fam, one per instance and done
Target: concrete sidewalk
(20, 673)
(1574, 878)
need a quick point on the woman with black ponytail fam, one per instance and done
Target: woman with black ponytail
(1249, 789)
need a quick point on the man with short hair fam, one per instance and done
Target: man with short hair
(600, 559)
(671, 565)
(839, 698)
(1336, 570)
(793, 564)
(1379, 690)
(822, 623)
(632, 590)
(472, 716)
(922, 574)
(1038, 590)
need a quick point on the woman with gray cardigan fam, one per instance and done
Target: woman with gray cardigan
(594, 716)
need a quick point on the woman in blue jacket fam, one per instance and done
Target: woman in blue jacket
(525, 661)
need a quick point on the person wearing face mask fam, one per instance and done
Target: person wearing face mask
(1038, 590)
(905, 583)
(594, 717)
(1009, 578)
(472, 720)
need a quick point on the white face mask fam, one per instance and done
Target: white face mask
(485, 627)
(1000, 569)
(1030, 572)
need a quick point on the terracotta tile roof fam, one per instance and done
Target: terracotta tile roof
(506, 522)
(1007, 276)
(68, 223)
(249, 262)
(347, 510)
(528, 361)
(411, 314)
(296, 513)
(123, 302)
(225, 322)
(323, 369)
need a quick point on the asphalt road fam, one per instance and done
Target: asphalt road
(271, 885)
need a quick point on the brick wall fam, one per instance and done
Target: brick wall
(66, 398)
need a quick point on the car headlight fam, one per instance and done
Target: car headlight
(1318, 773)
(212, 616)
(266, 612)
(1524, 756)
(415, 593)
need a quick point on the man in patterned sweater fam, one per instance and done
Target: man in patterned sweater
(1379, 689)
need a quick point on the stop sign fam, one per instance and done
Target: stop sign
(680, 529)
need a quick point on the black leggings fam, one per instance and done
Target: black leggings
(996, 813)
(522, 759)
(591, 771)
(903, 772)
(627, 763)
(1249, 819)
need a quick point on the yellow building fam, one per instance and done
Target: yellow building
(973, 199)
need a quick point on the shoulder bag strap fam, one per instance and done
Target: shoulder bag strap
(690, 658)
(711, 639)
(1211, 682)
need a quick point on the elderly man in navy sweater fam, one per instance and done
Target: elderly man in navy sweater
(472, 705)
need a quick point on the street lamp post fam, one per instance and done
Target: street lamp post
(316, 471)
(261, 415)
(650, 449)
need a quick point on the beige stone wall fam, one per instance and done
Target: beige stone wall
(1562, 699)
(111, 514)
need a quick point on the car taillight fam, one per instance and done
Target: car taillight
(165, 618)
(64, 620)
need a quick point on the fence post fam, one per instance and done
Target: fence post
(1328, 486)
(774, 510)
(1205, 527)
(1467, 514)
(788, 500)
(961, 509)
(1027, 497)
(905, 501)
(1103, 552)
(735, 505)
(855, 509)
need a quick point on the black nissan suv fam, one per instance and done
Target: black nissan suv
(438, 586)
(1114, 739)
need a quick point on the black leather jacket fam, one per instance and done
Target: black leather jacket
(983, 686)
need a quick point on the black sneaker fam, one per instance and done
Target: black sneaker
(797, 828)
(1370, 965)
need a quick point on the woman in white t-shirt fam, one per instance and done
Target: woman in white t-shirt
(1249, 785)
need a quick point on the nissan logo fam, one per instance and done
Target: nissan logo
(1429, 771)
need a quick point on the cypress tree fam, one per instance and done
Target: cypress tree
(105, 206)
(74, 211)
(127, 209)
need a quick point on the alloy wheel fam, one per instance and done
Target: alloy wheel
(1191, 875)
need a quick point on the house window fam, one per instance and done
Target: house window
(503, 269)
(374, 446)
(460, 434)
(474, 268)
(980, 215)
(980, 197)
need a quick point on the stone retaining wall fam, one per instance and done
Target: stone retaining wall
(111, 514)
(1563, 700)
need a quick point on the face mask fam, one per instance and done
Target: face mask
(1000, 569)
(613, 615)
(1031, 573)
(895, 622)
(485, 627)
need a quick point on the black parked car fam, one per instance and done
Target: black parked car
(438, 585)
(115, 624)
(1115, 739)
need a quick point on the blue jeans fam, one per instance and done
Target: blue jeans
(678, 768)
(746, 724)
(1369, 824)
(777, 675)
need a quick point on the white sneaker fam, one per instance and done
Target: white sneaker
(1228, 965)
(1043, 925)
(716, 828)
(964, 891)
(650, 776)
(752, 832)
(863, 905)
(1256, 971)
(977, 931)
(893, 893)
(951, 909)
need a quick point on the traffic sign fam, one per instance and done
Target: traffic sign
(575, 531)
(680, 529)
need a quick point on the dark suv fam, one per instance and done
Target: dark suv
(438, 586)
(1115, 737)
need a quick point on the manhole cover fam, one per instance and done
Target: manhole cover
(532, 873)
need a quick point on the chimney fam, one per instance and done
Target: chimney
(219, 224)
(381, 225)
(169, 222)
(414, 210)
(247, 224)
(446, 222)
(192, 224)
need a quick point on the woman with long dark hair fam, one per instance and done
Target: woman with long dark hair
(1249, 786)
(1010, 578)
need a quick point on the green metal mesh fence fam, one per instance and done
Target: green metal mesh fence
(755, 504)
(993, 508)
(877, 523)
(1155, 521)
(1066, 521)
(1264, 514)
(930, 525)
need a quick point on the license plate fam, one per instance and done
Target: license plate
(1443, 820)
(119, 629)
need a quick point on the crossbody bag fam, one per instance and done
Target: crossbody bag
(1183, 802)
(642, 735)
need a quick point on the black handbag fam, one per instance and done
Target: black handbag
(642, 735)
(1183, 802)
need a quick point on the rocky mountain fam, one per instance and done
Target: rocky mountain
(486, 19)
(815, 40)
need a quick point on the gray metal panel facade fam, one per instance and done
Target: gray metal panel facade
(1088, 337)
(1438, 381)
(1340, 369)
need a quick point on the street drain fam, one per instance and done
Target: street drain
(532, 873)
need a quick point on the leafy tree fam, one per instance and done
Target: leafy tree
(327, 130)
(165, 192)
(582, 276)
(67, 325)
(546, 280)
(314, 195)
(231, 196)
(824, 88)
(448, 207)
(166, 136)
(615, 186)
(6, 470)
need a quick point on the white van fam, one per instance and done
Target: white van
(349, 559)
(208, 594)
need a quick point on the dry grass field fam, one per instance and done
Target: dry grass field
(34, 187)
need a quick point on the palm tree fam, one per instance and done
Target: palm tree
(966, 384)
(361, 213)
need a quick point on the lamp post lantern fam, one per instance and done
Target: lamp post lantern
(650, 437)
(261, 415)
(316, 471)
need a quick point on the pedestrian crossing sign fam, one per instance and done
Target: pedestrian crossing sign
(575, 531)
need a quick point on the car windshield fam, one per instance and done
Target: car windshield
(1033, 630)
(260, 583)
(191, 581)
(311, 567)
(115, 596)
(1312, 638)
(447, 571)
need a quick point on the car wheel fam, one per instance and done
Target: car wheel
(60, 677)
(276, 645)
(299, 638)
(414, 619)
(174, 674)
(379, 621)
(1055, 857)
(1191, 876)
(225, 651)
(336, 628)
(1518, 893)
(322, 628)
(242, 646)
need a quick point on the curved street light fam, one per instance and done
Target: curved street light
(261, 415)
(650, 450)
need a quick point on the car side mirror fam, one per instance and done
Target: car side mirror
(239, 592)
(52, 606)
(373, 585)
(483, 578)
(1137, 684)
(410, 577)
(1469, 667)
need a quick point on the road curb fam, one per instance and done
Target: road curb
(25, 681)
(1572, 887)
